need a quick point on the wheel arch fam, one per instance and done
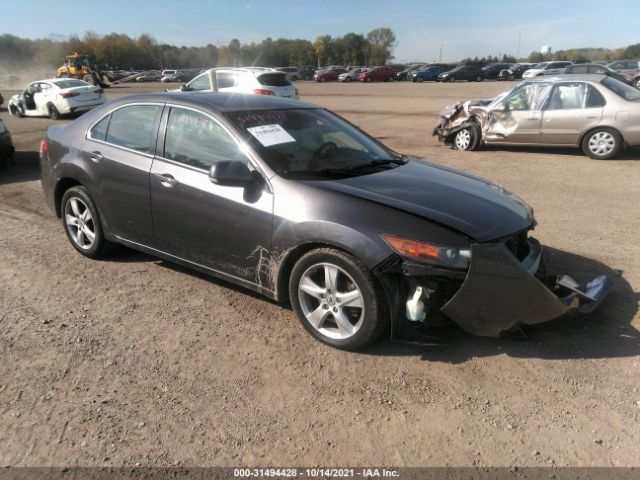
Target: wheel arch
(62, 186)
(587, 132)
(292, 256)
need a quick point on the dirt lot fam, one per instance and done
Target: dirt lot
(134, 360)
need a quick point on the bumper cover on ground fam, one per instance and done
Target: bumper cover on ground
(500, 292)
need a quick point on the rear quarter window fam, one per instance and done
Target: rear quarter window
(99, 130)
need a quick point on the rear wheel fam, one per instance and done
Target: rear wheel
(82, 223)
(452, 78)
(391, 79)
(54, 114)
(368, 79)
(347, 79)
(478, 78)
(420, 79)
(468, 138)
(321, 79)
(337, 299)
(602, 144)
(636, 83)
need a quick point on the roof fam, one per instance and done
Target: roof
(580, 77)
(220, 102)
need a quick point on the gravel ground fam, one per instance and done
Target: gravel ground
(133, 360)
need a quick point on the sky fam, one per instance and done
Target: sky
(424, 28)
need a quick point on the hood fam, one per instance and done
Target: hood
(476, 207)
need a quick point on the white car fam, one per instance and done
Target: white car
(546, 68)
(56, 97)
(255, 80)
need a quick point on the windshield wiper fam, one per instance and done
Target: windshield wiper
(399, 160)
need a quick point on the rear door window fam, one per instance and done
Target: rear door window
(134, 127)
(200, 83)
(99, 130)
(568, 96)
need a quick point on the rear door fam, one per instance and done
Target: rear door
(118, 153)
(227, 229)
(573, 108)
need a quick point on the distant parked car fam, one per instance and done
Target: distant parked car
(1, 99)
(630, 67)
(600, 69)
(463, 72)
(580, 111)
(515, 71)
(306, 73)
(381, 73)
(56, 97)
(352, 74)
(429, 73)
(546, 68)
(6, 145)
(258, 81)
(151, 76)
(292, 73)
(492, 70)
(329, 75)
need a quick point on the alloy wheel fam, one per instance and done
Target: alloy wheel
(79, 223)
(602, 143)
(331, 301)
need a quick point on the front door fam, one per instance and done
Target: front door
(572, 109)
(518, 118)
(227, 229)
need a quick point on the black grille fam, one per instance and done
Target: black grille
(517, 244)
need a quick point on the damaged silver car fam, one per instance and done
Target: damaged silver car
(289, 200)
(596, 113)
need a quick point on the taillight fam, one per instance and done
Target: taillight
(100, 91)
(44, 147)
(69, 94)
(262, 91)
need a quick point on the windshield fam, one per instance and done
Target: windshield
(541, 65)
(622, 89)
(311, 143)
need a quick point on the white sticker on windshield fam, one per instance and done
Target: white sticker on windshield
(269, 135)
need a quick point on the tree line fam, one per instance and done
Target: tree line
(116, 50)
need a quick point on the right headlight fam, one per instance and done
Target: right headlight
(443, 255)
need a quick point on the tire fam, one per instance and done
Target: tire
(54, 114)
(478, 78)
(420, 79)
(347, 79)
(64, 75)
(391, 79)
(468, 138)
(452, 79)
(602, 143)
(636, 83)
(13, 110)
(368, 79)
(294, 78)
(90, 79)
(75, 202)
(321, 79)
(354, 326)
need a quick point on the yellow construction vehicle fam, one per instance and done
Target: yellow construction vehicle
(79, 66)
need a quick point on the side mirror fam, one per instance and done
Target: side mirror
(231, 173)
(184, 88)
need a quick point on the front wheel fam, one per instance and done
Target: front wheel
(602, 144)
(347, 79)
(82, 223)
(452, 79)
(478, 78)
(368, 79)
(337, 299)
(468, 138)
(636, 83)
(391, 79)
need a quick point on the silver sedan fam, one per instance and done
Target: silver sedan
(597, 113)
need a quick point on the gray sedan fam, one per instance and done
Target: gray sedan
(597, 113)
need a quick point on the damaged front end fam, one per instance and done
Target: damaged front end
(459, 116)
(505, 286)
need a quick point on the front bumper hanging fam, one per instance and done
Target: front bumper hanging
(500, 292)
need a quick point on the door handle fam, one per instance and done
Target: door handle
(97, 157)
(166, 180)
(592, 116)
